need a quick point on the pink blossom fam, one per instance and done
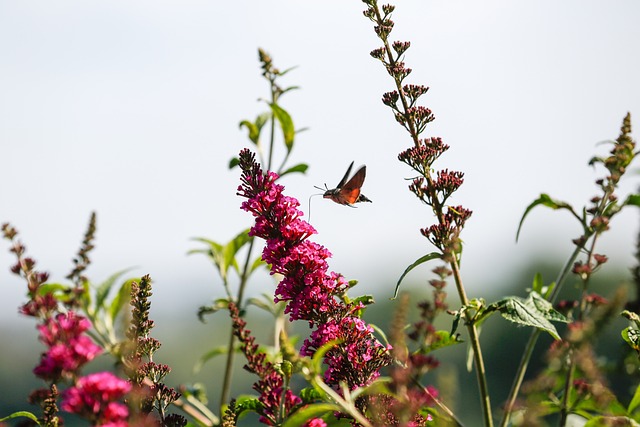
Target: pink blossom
(315, 422)
(312, 292)
(95, 397)
(68, 349)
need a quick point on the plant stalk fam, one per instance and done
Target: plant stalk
(228, 370)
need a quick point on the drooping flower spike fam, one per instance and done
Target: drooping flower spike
(311, 292)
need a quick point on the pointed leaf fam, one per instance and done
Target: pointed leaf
(58, 290)
(24, 414)
(257, 263)
(421, 260)
(538, 283)
(443, 339)
(302, 168)
(247, 403)
(121, 299)
(286, 124)
(231, 249)
(219, 304)
(254, 131)
(543, 200)
(633, 200)
(605, 421)
(102, 291)
(380, 332)
(635, 401)
(234, 162)
(318, 356)
(265, 303)
(216, 351)
(304, 414)
(364, 299)
(545, 308)
(310, 394)
(525, 312)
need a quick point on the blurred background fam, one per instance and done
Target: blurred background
(131, 109)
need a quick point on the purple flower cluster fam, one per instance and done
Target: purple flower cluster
(68, 348)
(311, 292)
(95, 397)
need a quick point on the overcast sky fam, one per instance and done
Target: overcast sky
(131, 109)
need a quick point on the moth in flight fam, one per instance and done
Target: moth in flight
(348, 192)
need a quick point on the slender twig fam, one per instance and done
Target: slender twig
(453, 262)
(228, 370)
(439, 403)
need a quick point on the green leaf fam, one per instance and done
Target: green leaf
(247, 403)
(534, 311)
(234, 162)
(223, 256)
(543, 200)
(539, 287)
(538, 283)
(316, 360)
(254, 131)
(59, 291)
(302, 168)
(635, 401)
(603, 421)
(103, 289)
(265, 303)
(315, 410)
(421, 260)
(257, 263)
(216, 351)
(310, 394)
(219, 304)
(545, 308)
(633, 200)
(364, 299)
(232, 248)
(380, 332)
(24, 414)
(443, 339)
(286, 124)
(632, 337)
(121, 299)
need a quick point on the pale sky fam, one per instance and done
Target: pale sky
(131, 108)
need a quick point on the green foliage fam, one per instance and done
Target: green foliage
(307, 412)
(21, 414)
(224, 255)
(419, 261)
(546, 201)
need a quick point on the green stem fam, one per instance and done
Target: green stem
(564, 408)
(345, 404)
(439, 211)
(439, 403)
(228, 370)
(474, 339)
(533, 338)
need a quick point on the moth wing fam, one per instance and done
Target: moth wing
(349, 197)
(356, 180)
(346, 175)
(350, 192)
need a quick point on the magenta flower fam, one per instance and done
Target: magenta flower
(312, 292)
(96, 396)
(315, 422)
(68, 349)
